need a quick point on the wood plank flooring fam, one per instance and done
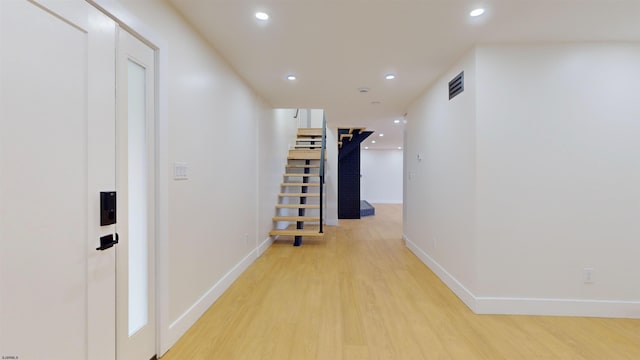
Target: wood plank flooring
(360, 294)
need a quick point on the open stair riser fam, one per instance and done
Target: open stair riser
(301, 175)
(303, 166)
(297, 206)
(296, 232)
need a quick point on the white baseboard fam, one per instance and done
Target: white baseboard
(528, 306)
(189, 317)
(456, 286)
(263, 246)
(558, 307)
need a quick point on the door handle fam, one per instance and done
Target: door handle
(107, 241)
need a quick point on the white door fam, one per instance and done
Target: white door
(57, 152)
(136, 326)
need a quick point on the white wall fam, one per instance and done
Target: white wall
(276, 136)
(217, 220)
(440, 194)
(549, 176)
(558, 172)
(310, 118)
(381, 180)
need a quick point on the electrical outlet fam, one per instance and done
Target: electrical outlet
(588, 275)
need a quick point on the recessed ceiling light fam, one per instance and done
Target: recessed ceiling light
(291, 77)
(381, 134)
(476, 12)
(262, 16)
(396, 121)
(366, 148)
(373, 141)
(399, 147)
(389, 76)
(363, 90)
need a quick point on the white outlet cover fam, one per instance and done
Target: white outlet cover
(588, 275)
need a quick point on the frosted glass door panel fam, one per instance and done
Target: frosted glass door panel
(137, 169)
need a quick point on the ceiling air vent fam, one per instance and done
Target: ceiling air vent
(456, 85)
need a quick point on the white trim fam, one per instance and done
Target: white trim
(189, 317)
(264, 246)
(162, 200)
(558, 307)
(528, 306)
(456, 286)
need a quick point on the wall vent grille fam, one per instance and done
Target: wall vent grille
(456, 85)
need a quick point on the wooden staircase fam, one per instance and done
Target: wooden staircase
(300, 189)
(346, 133)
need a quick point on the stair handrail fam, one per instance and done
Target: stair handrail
(322, 151)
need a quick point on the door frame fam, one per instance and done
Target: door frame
(127, 21)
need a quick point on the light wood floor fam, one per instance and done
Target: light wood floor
(360, 294)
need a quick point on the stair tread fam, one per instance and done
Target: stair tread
(299, 195)
(306, 132)
(305, 151)
(300, 184)
(300, 175)
(302, 166)
(304, 154)
(297, 206)
(307, 146)
(309, 233)
(296, 218)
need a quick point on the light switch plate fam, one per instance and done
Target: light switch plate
(180, 171)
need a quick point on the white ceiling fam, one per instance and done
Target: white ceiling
(334, 47)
